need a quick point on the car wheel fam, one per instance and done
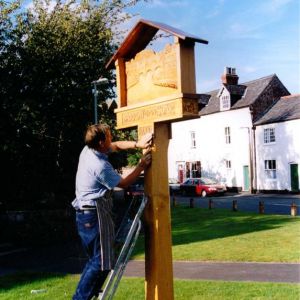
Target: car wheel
(203, 193)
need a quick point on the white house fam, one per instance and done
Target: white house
(222, 142)
(278, 146)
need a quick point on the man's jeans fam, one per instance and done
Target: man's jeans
(92, 278)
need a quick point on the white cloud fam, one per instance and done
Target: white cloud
(274, 6)
(162, 3)
(251, 22)
(217, 9)
(50, 7)
(244, 30)
(208, 85)
(248, 69)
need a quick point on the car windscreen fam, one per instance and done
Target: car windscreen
(208, 181)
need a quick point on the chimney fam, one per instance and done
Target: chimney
(229, 76)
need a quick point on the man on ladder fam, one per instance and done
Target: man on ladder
(95, 180)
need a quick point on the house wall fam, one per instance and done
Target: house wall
(285, 150)
(211, 149)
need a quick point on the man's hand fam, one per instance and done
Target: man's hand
(145, 141)
(144, 163)
(146, 159)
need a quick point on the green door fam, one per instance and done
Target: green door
(246, 178)
(294, 178)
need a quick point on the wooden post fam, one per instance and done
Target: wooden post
(121, 81)
(234, 205)
(192, 203)
(158, 244)
(293, 209)
(210, 203)
(261, 207)
(174, 201)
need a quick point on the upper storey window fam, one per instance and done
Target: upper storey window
(227, 135)
(193, 139)
(269, 135)
(224, 100)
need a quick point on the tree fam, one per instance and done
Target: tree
(49, 57)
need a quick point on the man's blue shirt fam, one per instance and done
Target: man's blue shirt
(95, 175)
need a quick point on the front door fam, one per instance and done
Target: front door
(246, 178)
(294, 178)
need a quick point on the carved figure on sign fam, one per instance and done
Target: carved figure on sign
(151, 75)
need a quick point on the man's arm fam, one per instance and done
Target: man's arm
(143, 143)
(131, 178)
(123, 145)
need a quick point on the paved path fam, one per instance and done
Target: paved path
(268, 272)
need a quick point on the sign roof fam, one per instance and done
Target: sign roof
(141, 35)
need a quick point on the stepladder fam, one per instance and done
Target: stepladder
(126, 238)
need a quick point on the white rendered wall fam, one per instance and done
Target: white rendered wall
(211, 148)
(285, 150)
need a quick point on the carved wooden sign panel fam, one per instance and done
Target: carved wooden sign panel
(150, 75)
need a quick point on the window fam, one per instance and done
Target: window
(225, 102)
(228, 167)
(270, 169)
(187, 170)
(193, 169)
(228, 164)
(269, 135)
(227, 135)
(193, 139)
(196, 169)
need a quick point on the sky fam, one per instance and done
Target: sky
(257, 37)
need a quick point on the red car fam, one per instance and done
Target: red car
(202, 186)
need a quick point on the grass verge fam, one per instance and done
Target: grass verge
(19, 286)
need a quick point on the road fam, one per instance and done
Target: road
(273, 203)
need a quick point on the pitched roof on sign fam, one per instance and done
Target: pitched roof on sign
(141, 35)
(251, 91)
(285, 109)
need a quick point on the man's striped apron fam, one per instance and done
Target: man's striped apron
(107, 230)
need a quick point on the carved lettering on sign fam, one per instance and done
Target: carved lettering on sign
(150, 75)
(165, 111)
(144, 129)
(147, 114)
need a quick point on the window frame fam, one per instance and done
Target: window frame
(270, 169)
(193, 139)
(227, 135)
(269, 135)
(228, 164)
(225, 102)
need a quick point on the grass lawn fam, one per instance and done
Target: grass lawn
(223, 235)
(58, 287)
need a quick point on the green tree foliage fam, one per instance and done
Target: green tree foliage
(49, 57)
